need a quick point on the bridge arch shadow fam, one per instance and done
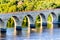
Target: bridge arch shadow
(29, 23)
(17, 20)
(30, 18)
(1, 23)
(43, 17)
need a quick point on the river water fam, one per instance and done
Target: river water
(45, 34)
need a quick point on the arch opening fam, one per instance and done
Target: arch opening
(51, 20)
(40, 19)
(27, 20)
(16, 20)
(12, 24)
(12, 21)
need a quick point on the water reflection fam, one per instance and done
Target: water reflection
(33, 34)
(39, 30)
(3, 36)
(50, 27)
(28, 34)
(19, 33)
(10, 31)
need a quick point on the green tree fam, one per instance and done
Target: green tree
(25, 22)
(10, 23)
(12, 8)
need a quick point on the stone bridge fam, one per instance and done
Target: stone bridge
(18, 17)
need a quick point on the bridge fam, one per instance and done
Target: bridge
(31, 15)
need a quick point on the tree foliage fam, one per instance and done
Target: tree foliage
(27, 5)
(10, 23)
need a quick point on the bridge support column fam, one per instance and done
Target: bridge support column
(3, 29)
(18, 26)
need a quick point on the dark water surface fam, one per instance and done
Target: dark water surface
(46, 34)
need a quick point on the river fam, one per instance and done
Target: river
(45, 34)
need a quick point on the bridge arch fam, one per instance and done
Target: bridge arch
(12, 25)
(52, 16)
(43, 17)
(29, 19)
(1, 23)
(51, 20)
(40, 20)
(25, 22)
(15, 20)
